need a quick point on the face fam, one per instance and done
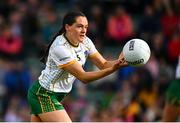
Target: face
(77, 31)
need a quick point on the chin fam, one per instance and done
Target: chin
(81, 39)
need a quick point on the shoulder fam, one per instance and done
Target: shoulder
(59, 40)
(61, 49)
(61, 52)
(60, 46)
(87, 41)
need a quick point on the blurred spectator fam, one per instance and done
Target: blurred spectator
(119, 26)
(1, 22)
(50, 25)
(7, 7)
(30, 28)
(17, 79)
(133, 110)
(90, 114)
(96, 22)
(148, 96)
(158, 45)
(12, 113)
(169, 22)
(11, 45)
(153, 66)
(158, 6)
(173, 47)
(165, 70)
(149, 23)
(124, 73)
(17, 110)
(15, 19)
(175, 6)
(136, 6)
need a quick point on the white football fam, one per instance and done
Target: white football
(136, 52)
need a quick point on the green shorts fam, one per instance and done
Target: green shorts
(173, 93)
(42, 100)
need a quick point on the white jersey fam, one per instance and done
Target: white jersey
(61, 54)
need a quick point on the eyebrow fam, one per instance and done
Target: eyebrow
(81, 25)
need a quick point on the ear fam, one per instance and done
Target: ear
(67, 27)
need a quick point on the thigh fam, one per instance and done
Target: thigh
(171, 113)
(42, 100)
(55, 116)
(35, 118)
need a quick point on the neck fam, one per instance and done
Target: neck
(71, 42)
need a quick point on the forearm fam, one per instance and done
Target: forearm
(108, 64)
(101, 62)
(87, 77)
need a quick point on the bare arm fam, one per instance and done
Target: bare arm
(87, 77)
(102, 63)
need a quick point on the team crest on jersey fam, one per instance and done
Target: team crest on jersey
(86, 54)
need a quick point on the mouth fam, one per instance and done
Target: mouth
(82, 36)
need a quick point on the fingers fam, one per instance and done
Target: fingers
(123, 62)
(120, 63)
(121, 56)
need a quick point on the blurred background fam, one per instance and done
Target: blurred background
(131, 94)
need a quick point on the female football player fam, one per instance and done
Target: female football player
(64, 59)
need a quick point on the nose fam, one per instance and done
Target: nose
(83, 30)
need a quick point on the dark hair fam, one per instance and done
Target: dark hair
(69, 19)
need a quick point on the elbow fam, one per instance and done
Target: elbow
(104, 66)
(84, 81)
(85, 78)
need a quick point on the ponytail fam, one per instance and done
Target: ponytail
(69, 19)
(43, 59)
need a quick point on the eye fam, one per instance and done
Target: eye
(79, 26)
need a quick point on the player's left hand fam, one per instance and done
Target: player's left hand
(122, 61)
